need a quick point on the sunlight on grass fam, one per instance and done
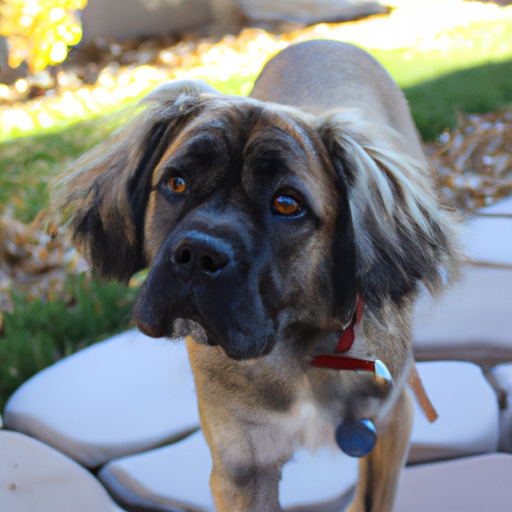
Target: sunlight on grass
(46, 135)
(414, 43)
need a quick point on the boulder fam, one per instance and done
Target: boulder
(502, 375)
(472, 320)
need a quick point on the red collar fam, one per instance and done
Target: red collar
(345, 342)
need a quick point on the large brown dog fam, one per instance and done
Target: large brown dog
(261, 219)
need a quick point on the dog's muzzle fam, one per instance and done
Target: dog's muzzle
(198, 256)
(211, 280)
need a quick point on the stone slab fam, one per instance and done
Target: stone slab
(502, 375)
(488, 240)
(472, 484)
(468, 413)
(472, 321)
(501, 208)
(177, 476)
(132, 18)
(37, 478)
(309, 11)
(125, 395)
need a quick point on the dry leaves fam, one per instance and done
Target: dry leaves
(33, 262)
(475, 161)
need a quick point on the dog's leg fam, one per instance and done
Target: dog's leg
(244, 478)
(255, 489)
(380, 469)
(248, 443)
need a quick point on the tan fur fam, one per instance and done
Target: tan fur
(337, 117)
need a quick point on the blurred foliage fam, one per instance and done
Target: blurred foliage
(39, 333)
(474, 162)
(40, 31)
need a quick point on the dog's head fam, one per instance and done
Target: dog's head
(257, 222)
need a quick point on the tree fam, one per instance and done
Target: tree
(39, 32)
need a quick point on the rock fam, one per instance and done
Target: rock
(468, 413)
(131, 18)
(488, 240)
(501, 208)
(309, 11)
(502, 375)
(177, 476)
(470, 484)
(125, 395)
(166, 478)
(36, 478)
(472, 321)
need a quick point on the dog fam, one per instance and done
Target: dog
(267, 224)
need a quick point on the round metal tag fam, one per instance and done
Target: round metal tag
(356, 438)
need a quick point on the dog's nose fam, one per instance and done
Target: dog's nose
(200, 255)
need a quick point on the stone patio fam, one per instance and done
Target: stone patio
(126, 409)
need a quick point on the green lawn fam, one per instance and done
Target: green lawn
(28, 164)
(476, 90)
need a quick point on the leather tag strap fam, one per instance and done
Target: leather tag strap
(421, 395)
(343, 363)
(348, 336)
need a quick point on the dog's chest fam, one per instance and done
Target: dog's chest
(308, 423)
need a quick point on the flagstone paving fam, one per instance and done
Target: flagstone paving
(472, 321)
(467, 408)
(471, 484)
(126, 395)
(37, 478)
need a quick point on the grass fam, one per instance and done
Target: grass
(28, 164)
(437, 82)
(481, 89)
(461, 48)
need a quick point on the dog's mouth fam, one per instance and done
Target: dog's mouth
(228, 316)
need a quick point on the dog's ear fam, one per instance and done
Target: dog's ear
(402, 234)
(102, 199)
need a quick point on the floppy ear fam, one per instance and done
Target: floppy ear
(102, 199)
(402, 234)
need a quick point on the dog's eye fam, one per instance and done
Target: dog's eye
(286, 205)
(177, 185)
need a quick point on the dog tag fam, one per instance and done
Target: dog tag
(382, 376)
(356, 438)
